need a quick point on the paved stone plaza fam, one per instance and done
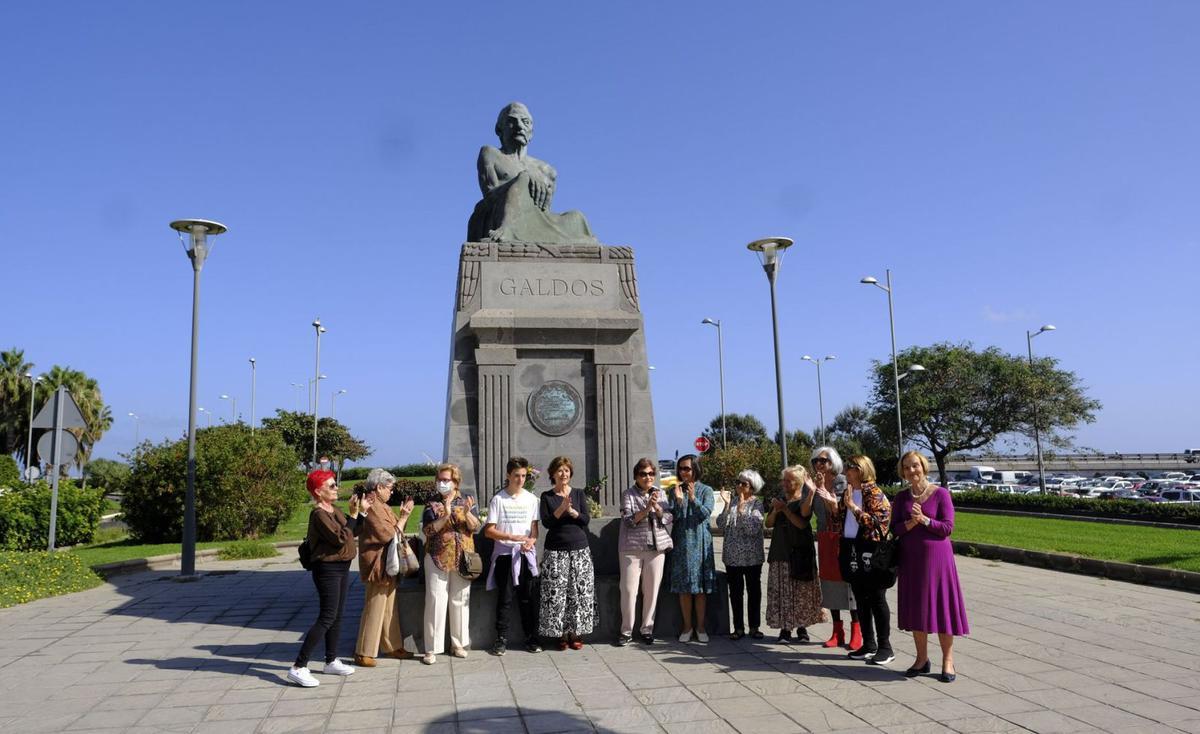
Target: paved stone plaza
(1049, 652)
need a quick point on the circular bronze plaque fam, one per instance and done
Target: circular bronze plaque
(555, 408)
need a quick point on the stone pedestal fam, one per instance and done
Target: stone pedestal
(548, 358)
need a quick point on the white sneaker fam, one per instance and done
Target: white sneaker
(702, 636)
(686, 637)
(303, 678)
(337, 667)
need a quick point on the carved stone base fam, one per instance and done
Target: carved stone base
(548, 358)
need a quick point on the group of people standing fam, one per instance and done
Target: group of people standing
(807, 572)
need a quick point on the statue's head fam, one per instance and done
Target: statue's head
(514, 126)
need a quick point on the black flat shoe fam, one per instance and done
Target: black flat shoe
(736, 636)
(802, 635)
(756, 634)
(914, 671)
(947, 677)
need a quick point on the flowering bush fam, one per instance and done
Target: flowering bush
(25, 576)
(25, 516)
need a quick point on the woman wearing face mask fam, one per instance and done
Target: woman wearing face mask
(449, 525)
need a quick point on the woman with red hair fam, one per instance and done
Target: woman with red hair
(331, 545)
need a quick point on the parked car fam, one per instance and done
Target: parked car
(1180, 496)
(1118, 494)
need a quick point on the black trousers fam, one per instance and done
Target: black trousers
(332, 580)
(748, 578)
(527, 602)
(874, 616)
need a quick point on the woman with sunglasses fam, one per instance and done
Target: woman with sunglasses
(742, 550)
(693, 567)
(866, 525)
(829, 485)
(643, 541)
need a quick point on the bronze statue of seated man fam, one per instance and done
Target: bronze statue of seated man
(517, 190)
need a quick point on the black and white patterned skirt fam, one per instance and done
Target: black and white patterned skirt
(568, 587)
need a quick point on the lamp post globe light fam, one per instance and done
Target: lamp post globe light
(253, 365)
(29, 471)
(196, 246)
(317, 386)
(232, 408)
(869, 280)
(820, 396)
(1037, 434)
(721, 368)
(770, 255)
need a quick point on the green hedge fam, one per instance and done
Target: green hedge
(25, 576)
(406, 470)
(1182, 514)
(25, 516)
(10, 474)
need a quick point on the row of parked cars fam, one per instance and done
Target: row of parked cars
(1170, 487)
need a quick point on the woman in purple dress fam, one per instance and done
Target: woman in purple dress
(928, 595)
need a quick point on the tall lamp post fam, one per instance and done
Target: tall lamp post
(895, 365)
(770, 254)
(232, 408)
(207, 413)
(333, 403)
(820, 395)
(1037, 434)
(316, 386)
(137, 428)
(721, 367)
(253, 381)
(33, 381)
(298, 386)
(196, 246)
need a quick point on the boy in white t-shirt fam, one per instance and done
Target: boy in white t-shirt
(512, 524)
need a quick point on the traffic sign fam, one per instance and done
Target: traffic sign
(702, 444)
(72, 417)
(45, 445)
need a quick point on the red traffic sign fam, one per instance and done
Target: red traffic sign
(702, 444)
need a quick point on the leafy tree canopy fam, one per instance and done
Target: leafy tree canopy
(739, 428)
(333, 439)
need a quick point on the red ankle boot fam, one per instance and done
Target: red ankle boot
(855, 636)
(839, 635)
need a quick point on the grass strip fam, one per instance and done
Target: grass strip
(1148, 546)
(29, 575)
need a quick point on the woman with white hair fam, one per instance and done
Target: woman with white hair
(742, 553)
(793, 586)
(829, 484)
(380, 621)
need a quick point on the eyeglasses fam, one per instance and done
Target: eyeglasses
(821, 460)
(851, 466)
(645, 474)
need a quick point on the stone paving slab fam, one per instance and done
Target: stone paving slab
(1050, 652)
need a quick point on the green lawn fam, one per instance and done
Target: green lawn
(1128, 543)
(124, 549)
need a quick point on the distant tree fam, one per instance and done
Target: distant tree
(14, 400)
(967, 399)
(86, 392)
(852, 432)
(106, 474)
(333, 439)
(740, 428)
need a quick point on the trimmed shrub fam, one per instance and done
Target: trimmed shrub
(246, 485)
(243, 549)
(25, 516)
(10, 474)
(1182, 514)
(35, 575)
(406, 470)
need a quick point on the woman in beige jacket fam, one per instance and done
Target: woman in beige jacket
(380, 619)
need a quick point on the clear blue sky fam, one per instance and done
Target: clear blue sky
(1013, 163)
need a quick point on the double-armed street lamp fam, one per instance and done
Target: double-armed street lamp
(196, 246)
(33, 381)
(317, 386)
(820, 396)
(311, 381)
(333, 403)
(207, 413)
(869, 280)
(770, 254)
(1037, 434)
(232, 408)
(721, 368)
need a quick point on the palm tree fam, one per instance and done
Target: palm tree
(14, 400)
(86, 392)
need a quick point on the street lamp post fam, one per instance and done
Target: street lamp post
(895, 365)
(208, 414)
(232, 409)
(820, 395)
(316, 386)
(333, 403)
(1037, 434)
(298, 386)
(911, 369)
(721, 367)
(253, 381)
(33, 381)
(196, 246)
(137, 428)
(770, 254)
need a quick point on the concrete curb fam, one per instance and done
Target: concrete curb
(1170, 578)
(158, 563)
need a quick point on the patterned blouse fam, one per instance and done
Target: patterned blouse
(874, 515)
(743, 533)
(446, 547)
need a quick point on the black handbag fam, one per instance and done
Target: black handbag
(802, 559)
(887, 554)
(304, 551)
